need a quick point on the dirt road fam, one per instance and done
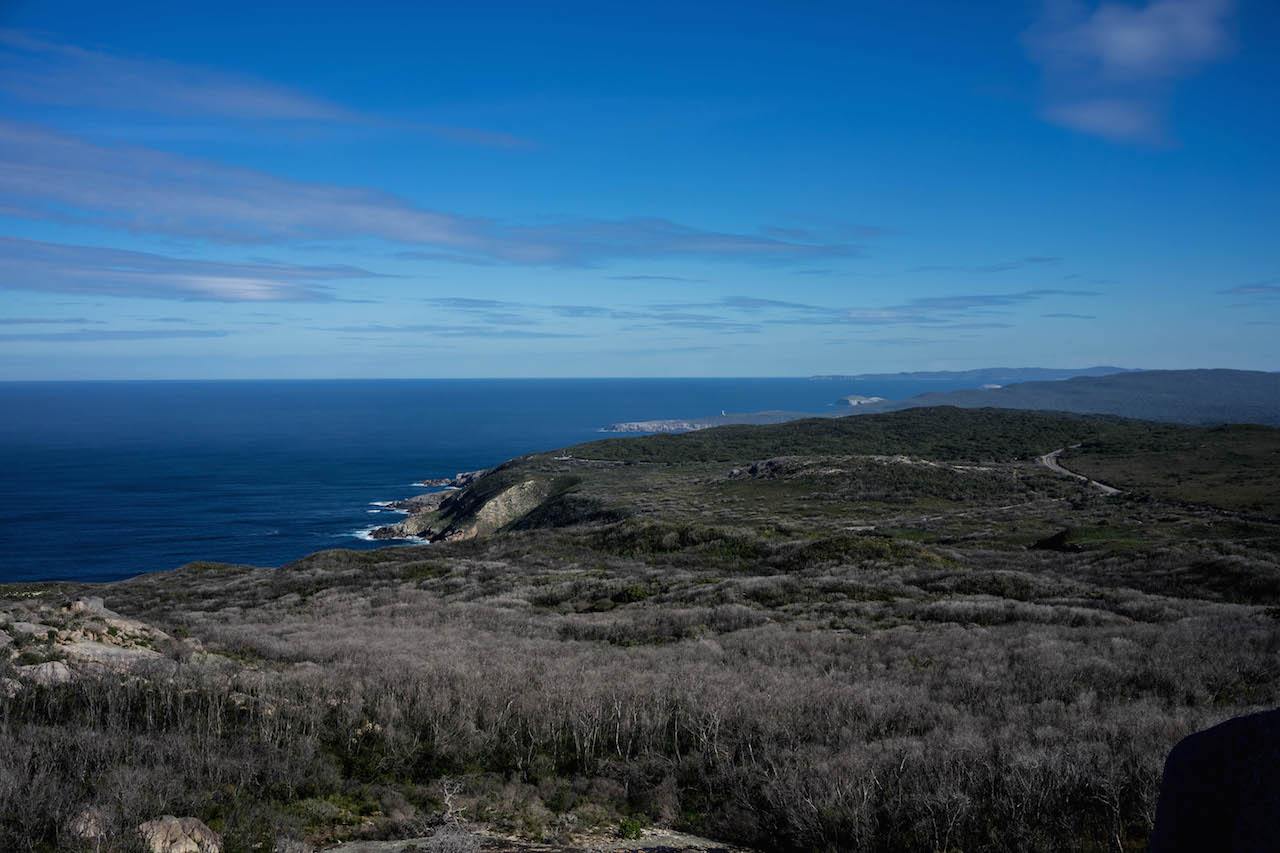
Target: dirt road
(1050, 461)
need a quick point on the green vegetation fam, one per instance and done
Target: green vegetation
(1235, 466)
(800, 640)
(938, 433)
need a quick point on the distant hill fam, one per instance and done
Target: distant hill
(1178, 396)
(936, 433)
(979, 376)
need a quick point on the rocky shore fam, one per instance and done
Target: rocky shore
(422, 508)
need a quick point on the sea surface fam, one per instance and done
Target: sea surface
(105, 480)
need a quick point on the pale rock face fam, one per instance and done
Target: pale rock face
(5, 639)
(53, 672)
(30, 629)
(109, 655)
(88, 605)
(10, 687)
(169, 834)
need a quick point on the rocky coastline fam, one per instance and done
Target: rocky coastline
(421, 509)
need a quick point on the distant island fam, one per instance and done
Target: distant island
(1175, 396)
(854, 400)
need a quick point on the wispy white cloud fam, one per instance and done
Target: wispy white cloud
(37, 70)
(48, 321)
(63, 268)
(444, 330)
(1002, 266)
(1261, 288)
(676, 278)
(51, 176)
(752, 314)
(82, 335)
(42, 71)
(1109, 70)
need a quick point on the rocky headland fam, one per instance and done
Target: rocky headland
(694, 424)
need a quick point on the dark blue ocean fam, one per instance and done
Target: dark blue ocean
(104, 480)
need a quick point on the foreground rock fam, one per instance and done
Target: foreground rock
(83, 637)
(169, 834)
(48, 674)
(109, 656)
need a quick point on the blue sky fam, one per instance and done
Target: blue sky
(624, 189)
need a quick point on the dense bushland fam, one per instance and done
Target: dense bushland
(933, 433)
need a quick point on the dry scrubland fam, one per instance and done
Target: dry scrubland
(841, 649)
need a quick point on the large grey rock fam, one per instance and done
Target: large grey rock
(29, 629)
(52, 672)
(88, 605)
(169, 834)
(106, 654)
(10, 687)
(5, 640)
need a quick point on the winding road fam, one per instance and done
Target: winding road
(1050, 461)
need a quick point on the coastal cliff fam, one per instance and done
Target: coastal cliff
(483, 502)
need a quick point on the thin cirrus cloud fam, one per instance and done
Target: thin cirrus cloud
(102, 335)
(749, 314)
(1110, 71)
(1004, 266)
(39, 71)
(447, 331)
(50, 176)
(675, 278)
(48, 321)
(63, 268)
(969, 301)
(1263, 289)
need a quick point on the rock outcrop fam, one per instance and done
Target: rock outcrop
(429, 502)
(486, 505)
(458, 481)
(169, 834)
(48, 673)
(83, 636)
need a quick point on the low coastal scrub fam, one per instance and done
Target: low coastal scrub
(790, 661)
